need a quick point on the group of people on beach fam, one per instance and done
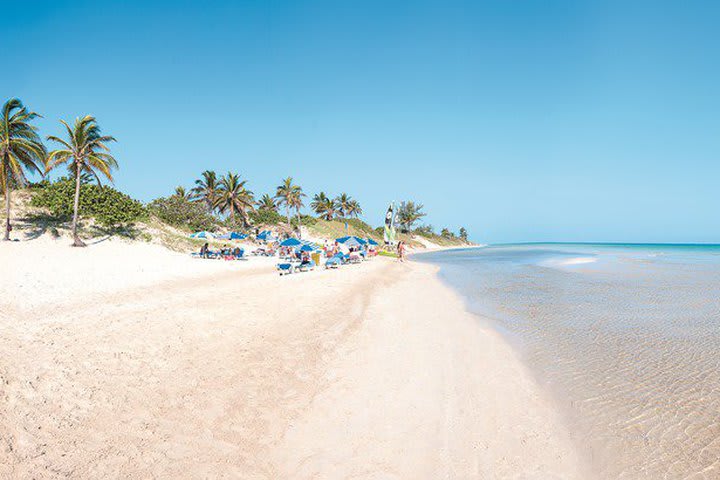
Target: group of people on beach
(225, 251)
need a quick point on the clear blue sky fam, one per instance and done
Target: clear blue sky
(522, 120)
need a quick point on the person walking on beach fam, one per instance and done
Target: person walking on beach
(401, 251)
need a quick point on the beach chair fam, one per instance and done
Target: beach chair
(333, 262)
(306, 266)
(285, 268)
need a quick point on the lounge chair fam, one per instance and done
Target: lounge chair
(333, 262)
(285, 268)
(305, 266)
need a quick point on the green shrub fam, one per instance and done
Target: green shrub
(266, 217)
(305, 220)
(182, 213)
(109, 207)
(425, 230)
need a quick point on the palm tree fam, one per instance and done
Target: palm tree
(324, 206)
(87, 148)
(206, 189)
(343, 204)
(446, 233)
(409, 213)
(463, 234)
(233, 198)
(180, 192)
(290, 195)
(354, 209)
(267, 203)
(21, 150)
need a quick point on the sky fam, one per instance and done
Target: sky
(519, 120)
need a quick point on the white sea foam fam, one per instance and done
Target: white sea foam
(578, 261)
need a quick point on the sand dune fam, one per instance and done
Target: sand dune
(229, 371)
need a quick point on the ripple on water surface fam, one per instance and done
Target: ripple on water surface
(627, 340)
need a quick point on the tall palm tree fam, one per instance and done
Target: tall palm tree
(463, 234)
(206, 189)
(21, 150)
(343, 204)
(87, 148)
(353, 209)
(291, 196)
(409, 213)
(267, 203)
(233, 198)
(180, 192)
(323, 206)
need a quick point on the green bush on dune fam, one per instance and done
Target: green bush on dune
(109, 207)
(305, 220)
(183, 213)
(266, 217)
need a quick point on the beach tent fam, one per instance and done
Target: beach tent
(291, 242)
(203, 234)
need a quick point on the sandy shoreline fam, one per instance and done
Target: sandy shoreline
(212, 371)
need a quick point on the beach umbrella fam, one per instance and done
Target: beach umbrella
(237, 236)
(351, 241)
(203, 235)
(371, 241)
(307, 248)
(291, 242)
(224, 236)
(265, 236)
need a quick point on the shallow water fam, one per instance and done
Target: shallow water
(625, 337)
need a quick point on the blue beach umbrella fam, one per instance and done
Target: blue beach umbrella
(237, 236)
(265, 236)
(307, 248)
(351, 241)
(371, 241)
(291, 242)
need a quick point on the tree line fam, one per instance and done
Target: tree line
(84, 151)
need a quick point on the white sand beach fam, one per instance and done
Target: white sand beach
(127, 361)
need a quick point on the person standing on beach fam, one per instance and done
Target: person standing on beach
(401, 251)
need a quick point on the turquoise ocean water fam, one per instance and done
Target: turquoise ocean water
(625, 338)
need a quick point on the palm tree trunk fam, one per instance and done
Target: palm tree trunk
(76, 239)
(7, 207)
(287, 211)
(299, 226)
